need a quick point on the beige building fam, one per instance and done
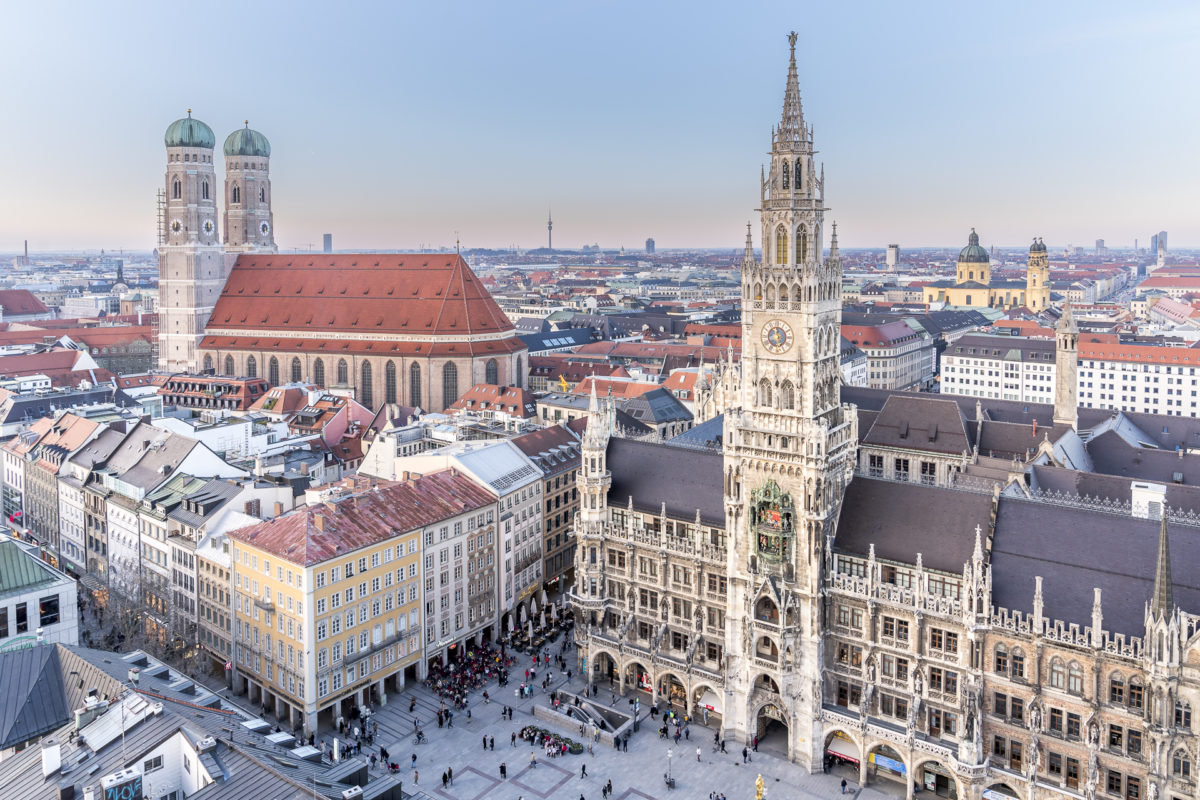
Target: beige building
(327, 599)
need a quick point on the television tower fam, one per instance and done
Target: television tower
(549, 230)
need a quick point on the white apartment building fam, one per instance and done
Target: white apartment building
(37, 602)
(1150, 379)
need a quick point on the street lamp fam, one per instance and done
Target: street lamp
(670, 753)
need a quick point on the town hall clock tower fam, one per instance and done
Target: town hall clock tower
(790, 450)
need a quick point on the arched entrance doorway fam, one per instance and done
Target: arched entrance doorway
(884, 762)
(771, 728)
(672, 691)
(638, 677)
(842, 755)
(707, 706)
(933, 777)
(999, 791)
(604, 668)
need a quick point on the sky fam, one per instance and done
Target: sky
(408, 124)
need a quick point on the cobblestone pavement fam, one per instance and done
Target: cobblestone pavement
(637, 774)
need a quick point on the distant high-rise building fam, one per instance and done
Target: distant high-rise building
(1099, 247)
(327, 243)
(1162, 243)
(893, 256)
(650, 246)
(549, 231)
(1154, 244)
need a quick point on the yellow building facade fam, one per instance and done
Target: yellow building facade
(973, 286)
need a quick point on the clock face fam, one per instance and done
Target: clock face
(265, 228)
(208, 226)
(176, 226)
(777, 336)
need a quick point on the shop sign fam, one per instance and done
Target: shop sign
(892, 764)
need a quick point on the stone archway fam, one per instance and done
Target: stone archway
(999, 791)
(933, 776)
(772, 729)
(673, 691)
(708, 705)
(604, 666)
(885, 762)
(638, 677)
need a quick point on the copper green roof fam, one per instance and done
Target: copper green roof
(188, 132)
(19, 571)
(973, 253)
(247, 142)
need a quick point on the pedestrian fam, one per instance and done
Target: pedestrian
(416, 777)
(843, 785)
(745, 755)
(372, 761)
(756, 744)
(450, 773)
(443, 780)
(414, 759)
(383, 754)
(687, 733)
(583, 770)
(697, 754)
(608, 786)
(485, 743)
(492, 743)
(532, 760)
(513, 740)
(503, 771)
(723, 746)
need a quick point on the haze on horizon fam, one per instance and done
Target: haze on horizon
(396, 126)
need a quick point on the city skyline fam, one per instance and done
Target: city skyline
(631, 122)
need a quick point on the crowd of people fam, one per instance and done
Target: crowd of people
(452, 682)
(552, 744)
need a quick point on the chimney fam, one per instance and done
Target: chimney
(278, 508)
(404, 476)
(319, 521)
(304, 468)
(51, 756)
(134, 672)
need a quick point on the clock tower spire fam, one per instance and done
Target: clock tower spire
(790, 446)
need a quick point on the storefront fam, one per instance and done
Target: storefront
(840, 749)
(708, 708)
(886, 763)
(933, 777)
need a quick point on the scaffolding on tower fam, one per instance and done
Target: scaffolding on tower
(160, 203)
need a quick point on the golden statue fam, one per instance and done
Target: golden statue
(759, 788)
(562, 382)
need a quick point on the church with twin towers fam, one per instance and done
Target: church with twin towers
(414, 329)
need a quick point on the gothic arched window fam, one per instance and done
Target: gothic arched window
(343, 372)
(802, 245)
(764, 392)
(176, 190)
(787, 397)
(319, 373)
(229, 365)
(1058, 674)
(273, 371)
(491, 373)
(208, 363)
(414, 385)
(799, 175)
(237, 194)
(204, 190)
(785, 176)
(520, 376)
(781, 255)
(1116, 688)
(389, 382)
(262, 194)
(251, 367)
(1181, 765)
(297, 370)
(1183, 715)
(366, 394)
(449, 384)
(1075, 678)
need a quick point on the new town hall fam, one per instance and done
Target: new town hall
(978, 599)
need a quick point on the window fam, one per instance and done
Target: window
(901, 469)
(319, 373)
(389, 383)
(1001, 659)
(1056, 720)
(1075, 678)
(251, 367)
(491, 373)
(1113, 784)
(781, 245)
(23, 619)
(1058, 674)
(176, 190)
(1072, 773)
(1183, 711)
(48, 611)
(1073, 726)
(875, 466)
(1018, 664)
(895, 628)
(366, 391)
(1136, 696)
(343, 372)
(414, 385)
(449, 384)
(229, 365)
(297, 371)
(1181, 765)
(273, 371)
(204, 190)
(803, 245)
(3, 623)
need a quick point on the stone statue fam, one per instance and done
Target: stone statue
(1152, 792)
(759, 787)
(918, 682)
(1035, 716)
(871, 669)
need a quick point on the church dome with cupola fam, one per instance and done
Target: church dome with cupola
(973, 253)
(1038, 246)
(189, 132)
(247, 142)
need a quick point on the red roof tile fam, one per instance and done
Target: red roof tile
(21, 301)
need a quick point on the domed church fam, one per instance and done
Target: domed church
(414, 329)
(973, 286)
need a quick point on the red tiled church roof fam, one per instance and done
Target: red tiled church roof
(416, 295)
(21, 301)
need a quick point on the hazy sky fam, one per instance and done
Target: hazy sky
(397, 124)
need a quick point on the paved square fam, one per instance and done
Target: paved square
(469, 784)
(543, 779)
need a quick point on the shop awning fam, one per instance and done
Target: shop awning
(843, 748)
(711, 701)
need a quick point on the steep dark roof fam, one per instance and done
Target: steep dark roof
(656, 407)
(1112, 455)
(919, 423)
(710, 433)
(1076, 549)
(903, 519)
(652, 474)
(34, 702)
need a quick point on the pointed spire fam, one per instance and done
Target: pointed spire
(833, 247)
(978, 555)
(748, 254)
(1066, 323)
(792, 129)
(1162, 602)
